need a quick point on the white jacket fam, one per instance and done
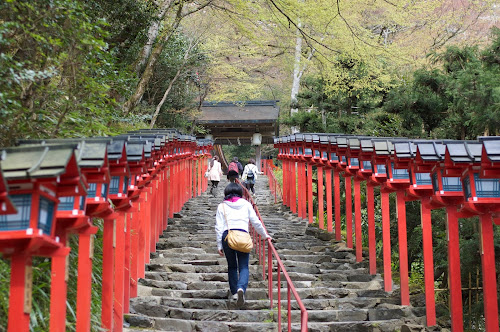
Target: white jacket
(238, 215)
(215, 172)
(254, 169)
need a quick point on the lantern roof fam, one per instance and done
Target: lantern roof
(89, 153)
(354, 143)
(6, 206)
(299, 137)
(366, 144)
(404, 149)
(40, 161)
(491, 146)
(431, 151)
(136, 149)
(383, 147)
(464, 151)
(323, 139)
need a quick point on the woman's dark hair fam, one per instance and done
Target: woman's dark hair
(233, 190)
(212, 162)
(251, 161)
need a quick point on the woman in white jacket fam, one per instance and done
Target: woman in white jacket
(236, 212)
(214, 173)
(250, 175)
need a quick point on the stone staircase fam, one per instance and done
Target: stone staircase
(186, 289)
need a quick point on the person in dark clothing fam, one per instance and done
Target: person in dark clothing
(240, 166)
(232, 175)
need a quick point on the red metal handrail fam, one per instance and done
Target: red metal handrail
(273, 182)
(271, 251)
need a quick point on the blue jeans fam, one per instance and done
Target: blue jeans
(237, 262)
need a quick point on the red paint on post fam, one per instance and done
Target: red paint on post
(454, 269)
(386, 240)
(430, 302)
(19, 321)
(108, 251)
(403, 249)
(357, 219)
(293, 184)
(372, 254)
(84, 283)
(329, 217)
(490, 296)
(348, 211)
(321, 208)
(336, 188)
(309, 193)
(119, 273)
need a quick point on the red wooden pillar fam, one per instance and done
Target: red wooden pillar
(108, 267)
(300, 191)
(126, 267)
(455, 281)
(119, 275)
(84, 283)
(293, 184)
(329, 217)
(286, 188)
(403, 249)
(348, 210)
(58, 289)
(199, 169)
(490, 296)
(303, 190)
(430, 302)
(135, 254)
(386, 239)
(372, 253)
(20, 293)
(357, 219)
(309, 193)
(336, 189)
(321, 208)
(147, 222)
(141, 262)
(152, 217)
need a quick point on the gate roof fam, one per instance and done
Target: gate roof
(236, 122)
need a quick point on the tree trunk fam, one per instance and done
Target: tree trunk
(153, 32)
(296, 77)
(162, 101)
(136, 97)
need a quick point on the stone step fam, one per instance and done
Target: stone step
(170, 324)
(345, 303)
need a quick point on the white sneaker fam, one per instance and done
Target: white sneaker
(241, 297)
(234, 297)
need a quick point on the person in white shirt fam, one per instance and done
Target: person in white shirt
(214, 174)
(250, 175)
(236, 213)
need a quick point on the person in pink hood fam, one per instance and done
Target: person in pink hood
(236, 213)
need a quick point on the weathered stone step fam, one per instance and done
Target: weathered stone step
(346, 303)
(392, 325)
(170, 324)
